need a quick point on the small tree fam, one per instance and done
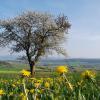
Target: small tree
(34, 33)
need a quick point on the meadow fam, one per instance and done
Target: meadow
(48, 83)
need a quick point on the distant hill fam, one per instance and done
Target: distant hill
(51, 63)
(4, 63)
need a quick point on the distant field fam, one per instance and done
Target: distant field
(12, 66)
(13, 69)
(45, 65)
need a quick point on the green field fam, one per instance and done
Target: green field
(13, 69)
(47, 84)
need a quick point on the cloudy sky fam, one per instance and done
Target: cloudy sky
(84, 15)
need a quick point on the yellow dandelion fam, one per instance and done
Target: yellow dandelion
(39, 81)
(37, 85)
(2, 92)
(49, 79)
(47, 85)
(25, 73)
(62, 69)
(88, 74)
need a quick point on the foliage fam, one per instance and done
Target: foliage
(60, 87)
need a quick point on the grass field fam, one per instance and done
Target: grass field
(13, 69)
(47, 84)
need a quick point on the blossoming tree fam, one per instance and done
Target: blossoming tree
(34, 33)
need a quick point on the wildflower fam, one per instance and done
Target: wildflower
(49, 79)
(39, 81)
(25, 73)
(47, 85)
(62, 69)
(37, 85)
(88, 74)
(1, 92)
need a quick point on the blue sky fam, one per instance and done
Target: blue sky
(84, 15)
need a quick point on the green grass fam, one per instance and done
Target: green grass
(59, 86)
(42, 74)
(10, 74)
(13, 69)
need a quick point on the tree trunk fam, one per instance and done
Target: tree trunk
(32, 68)
(31, 64)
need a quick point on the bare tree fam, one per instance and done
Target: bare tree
(34, 33)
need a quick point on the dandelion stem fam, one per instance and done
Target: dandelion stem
(25, 89)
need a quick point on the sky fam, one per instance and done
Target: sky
(83, 39)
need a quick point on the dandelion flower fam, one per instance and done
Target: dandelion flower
(47, 85)
(62, 69)
(1, 92)
(39, 81)
(37, 85)
(25, 73)
(88, 74)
